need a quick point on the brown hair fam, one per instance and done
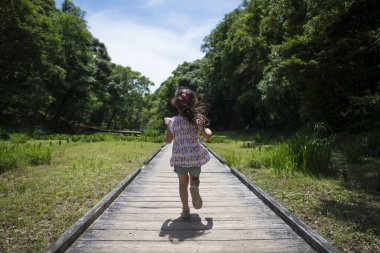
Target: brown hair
(188, 106)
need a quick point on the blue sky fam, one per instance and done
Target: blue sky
(153, 36)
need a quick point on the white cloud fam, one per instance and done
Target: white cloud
(153, 51)
(154, 3)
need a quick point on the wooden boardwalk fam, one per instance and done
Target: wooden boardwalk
(145, 217)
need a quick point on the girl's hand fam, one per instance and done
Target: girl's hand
(206, 133)
(168, 121)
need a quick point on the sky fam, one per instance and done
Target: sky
(153, 36)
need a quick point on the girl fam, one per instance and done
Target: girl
(188, 155)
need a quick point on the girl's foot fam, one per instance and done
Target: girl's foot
(196, 198)
(185, 214)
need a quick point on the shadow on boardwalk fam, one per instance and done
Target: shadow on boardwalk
(179, 230)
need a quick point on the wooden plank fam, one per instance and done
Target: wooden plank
(193, 217)
(201, 234)
(257, 246)
(177, 203)
(145, 217)
(180, 224)
(175, 198)
(175, 210)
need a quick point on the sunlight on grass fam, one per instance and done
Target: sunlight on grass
(343, 207)
(39, 203)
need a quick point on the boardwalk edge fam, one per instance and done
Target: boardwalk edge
(310, 236)
(154, 154)
(73, 233)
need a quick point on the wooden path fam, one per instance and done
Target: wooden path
(145, 217)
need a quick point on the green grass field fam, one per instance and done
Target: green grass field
(57, 181)
(38, 203)
(343, 207)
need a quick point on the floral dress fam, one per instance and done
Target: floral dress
(187, 150)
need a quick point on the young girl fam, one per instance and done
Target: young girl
(188, 155)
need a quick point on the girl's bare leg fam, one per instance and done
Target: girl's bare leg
(194, 190)
(194, 181)
(183, 184)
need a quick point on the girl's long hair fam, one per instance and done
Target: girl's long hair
(188, 106)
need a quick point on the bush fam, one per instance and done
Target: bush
(353, 151)
(283, 159)
(306, 153)
(231, 159)
(260, 158)
(38, 154)
(19, 137)
(217, 139)
(8, 157)
(14, 155)
(151, 132)
(4, 135)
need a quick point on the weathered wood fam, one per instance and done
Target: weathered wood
(314, 239)
(146, 217)
(177, 223)
(194, 234)
(186, 246)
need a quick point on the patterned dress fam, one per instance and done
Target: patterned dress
(187, 150)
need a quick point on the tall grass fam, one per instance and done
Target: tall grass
(260, 157)
(8, 156)
(306, 153)
(283, 159)
(14, 155)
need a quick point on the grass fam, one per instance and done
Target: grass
(38, 203)
(343, 207)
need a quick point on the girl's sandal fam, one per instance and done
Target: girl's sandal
(196, 197)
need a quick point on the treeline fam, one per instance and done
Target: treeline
(52, 70)
(285, 64)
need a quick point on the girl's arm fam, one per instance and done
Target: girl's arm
(169, 136)
(206, 133)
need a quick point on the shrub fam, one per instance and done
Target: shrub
(8, 157)
(353, 151)
(14, 155)
(260, 158)
(38, 154)
(4, 135)
(217, 139)
(19, 137)
(312, 153)
(305, 153)
(231, 159)
(151, 132)
(283, 159)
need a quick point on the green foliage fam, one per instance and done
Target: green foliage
(14, 155)
(150, 132)
(232, 160)
(4, 135)
(217, 139)
(261, 158)
(311, 153)
(284, 64)
(52, 70)
(354, 151)
(19, 137)
(8, 156)
(38, 154)
(308, 153)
